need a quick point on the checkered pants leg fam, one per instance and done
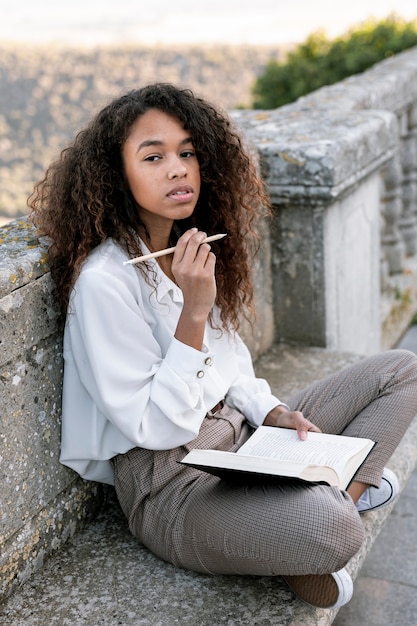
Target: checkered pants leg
(197, 521)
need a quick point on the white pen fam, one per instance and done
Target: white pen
(154, 255)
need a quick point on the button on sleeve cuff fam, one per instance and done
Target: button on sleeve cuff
(188, 362)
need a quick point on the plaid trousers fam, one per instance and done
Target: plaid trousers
(196, 521)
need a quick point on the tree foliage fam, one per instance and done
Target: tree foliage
(319, 61)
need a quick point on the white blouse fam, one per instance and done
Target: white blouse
(128, 382)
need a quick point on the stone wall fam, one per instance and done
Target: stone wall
(324, 176)
(341, 165)
(336, 270)
(41, 501)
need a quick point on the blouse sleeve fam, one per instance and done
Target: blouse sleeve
(158, 401)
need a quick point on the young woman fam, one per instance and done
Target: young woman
(154, 365)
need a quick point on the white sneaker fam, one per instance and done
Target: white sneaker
(374, 498)
(325, 591)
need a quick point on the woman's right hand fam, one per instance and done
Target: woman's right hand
(193, 267)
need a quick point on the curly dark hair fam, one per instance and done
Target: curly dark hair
(84, 197)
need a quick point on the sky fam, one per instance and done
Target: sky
(92, 22)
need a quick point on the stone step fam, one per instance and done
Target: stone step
(104, 577)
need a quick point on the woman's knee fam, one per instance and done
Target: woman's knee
(404, 360)
(339, 536)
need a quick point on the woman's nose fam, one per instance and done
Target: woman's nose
(176, 168)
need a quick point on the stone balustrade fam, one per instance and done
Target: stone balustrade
(341, 166)
(336, 270)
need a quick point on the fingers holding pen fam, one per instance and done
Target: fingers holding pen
(193, 266)
(189, 243)
(191, 252)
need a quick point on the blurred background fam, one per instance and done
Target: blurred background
(186, 21)
(62, 61)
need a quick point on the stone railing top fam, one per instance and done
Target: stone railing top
(390, 85)
(22, 259)
(319, 146)
(318, 155)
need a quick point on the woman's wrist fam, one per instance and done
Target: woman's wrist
(273, 416)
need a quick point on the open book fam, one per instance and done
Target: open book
(278, 452)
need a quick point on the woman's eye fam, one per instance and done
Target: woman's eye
(152, 157)
(187, 154)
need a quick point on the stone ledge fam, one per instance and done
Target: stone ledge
(310, 155)
(390, 85)
(25, 552)
(22, 259)
(103, 576)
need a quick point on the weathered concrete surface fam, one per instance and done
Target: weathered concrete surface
(21, 258)
(399, 304)
(352, 253)
(104, 576)
(311, 156)
(323, 171)
(316, 154)
(260, 336)
(42, 503)
(326, 267)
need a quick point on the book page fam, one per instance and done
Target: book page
(278, 452)
(284, 444)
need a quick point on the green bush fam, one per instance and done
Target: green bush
(319, 61)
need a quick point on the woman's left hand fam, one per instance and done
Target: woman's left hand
(281, 417)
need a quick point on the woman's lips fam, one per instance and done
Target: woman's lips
(183, 193)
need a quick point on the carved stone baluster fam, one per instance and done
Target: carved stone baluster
(408, 219)
(383, 261)
(391, 209)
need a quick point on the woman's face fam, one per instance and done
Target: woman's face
(162, 169)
